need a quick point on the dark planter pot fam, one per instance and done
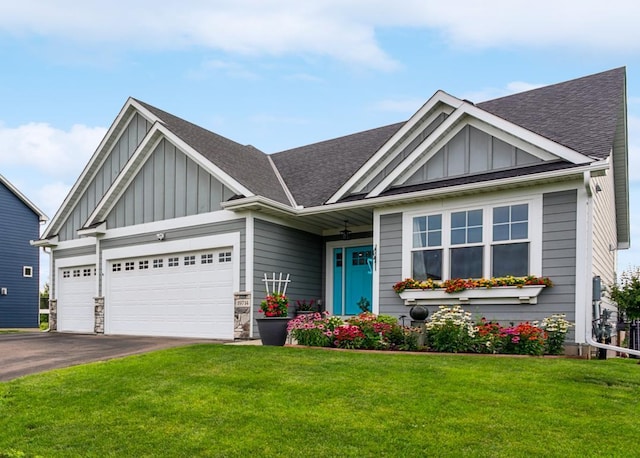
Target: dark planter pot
(273, 331)
(305, 312)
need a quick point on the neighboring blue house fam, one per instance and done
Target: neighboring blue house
(20, 222)
(169, 220)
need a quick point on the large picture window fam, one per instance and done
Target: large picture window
(491, 241)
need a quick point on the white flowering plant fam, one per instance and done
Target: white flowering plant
(556, 326)
(450, 329)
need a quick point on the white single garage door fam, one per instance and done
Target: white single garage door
(181, 295)
(76, 290)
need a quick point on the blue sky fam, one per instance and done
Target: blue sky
(283, 73)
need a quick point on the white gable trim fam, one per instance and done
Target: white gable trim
(426, 114)
(156, 134)
(480, 125)
(101, 153)
(41, 216)
(448, 128)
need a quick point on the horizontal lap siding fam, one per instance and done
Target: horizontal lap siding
(558, 263)
(18, 225)
(390, 264)
(290, 251)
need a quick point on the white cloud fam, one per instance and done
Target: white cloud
(50, 196)
(231, 69)
(342, 30)
(41, 147)
(409, 106)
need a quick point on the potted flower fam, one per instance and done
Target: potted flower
(304, 307)
(273, 327)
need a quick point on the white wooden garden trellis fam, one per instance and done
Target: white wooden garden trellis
(278, 285)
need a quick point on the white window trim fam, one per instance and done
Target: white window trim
(27, 271)
(535, 231)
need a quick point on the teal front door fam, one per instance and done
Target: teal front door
(352, 279)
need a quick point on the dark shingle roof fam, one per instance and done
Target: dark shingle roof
(580, 114)
(248, 165)
(314, 173)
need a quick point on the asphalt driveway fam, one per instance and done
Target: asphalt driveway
(26, 353)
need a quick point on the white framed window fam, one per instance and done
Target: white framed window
(129, 265)
(27, 271)
(494, 239)
(157, 263)
(66, 273)
(190, 260)
(224, 256)
(86, 272)
(143, 264)
(510, 247)
(116, 267)
(206, 258)
(173, 262)
(76, 272)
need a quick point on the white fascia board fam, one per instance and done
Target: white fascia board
(439, 134)
(448, 129)
(528, 136)
(155, 135)
(447, 191)
(165, 225)
(93, 231)
(75, 243)
(252, 202)
(368, 167)
(45, 243)
(41, 216)
(97, 159)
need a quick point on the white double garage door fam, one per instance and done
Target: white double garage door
(181, 294)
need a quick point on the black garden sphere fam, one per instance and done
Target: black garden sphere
(419, 313)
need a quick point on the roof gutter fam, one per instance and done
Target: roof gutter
(595, 168)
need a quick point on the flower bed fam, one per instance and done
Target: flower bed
(458, 284)
(503, 290)
(450, 329)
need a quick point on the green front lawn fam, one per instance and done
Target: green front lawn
(215, 400)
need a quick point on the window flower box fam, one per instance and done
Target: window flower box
(476, 296)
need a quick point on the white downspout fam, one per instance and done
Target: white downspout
(588, 323)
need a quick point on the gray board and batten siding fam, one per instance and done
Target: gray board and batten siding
(290, 251)
(558, 263)
(120, 153)
(169, 185)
